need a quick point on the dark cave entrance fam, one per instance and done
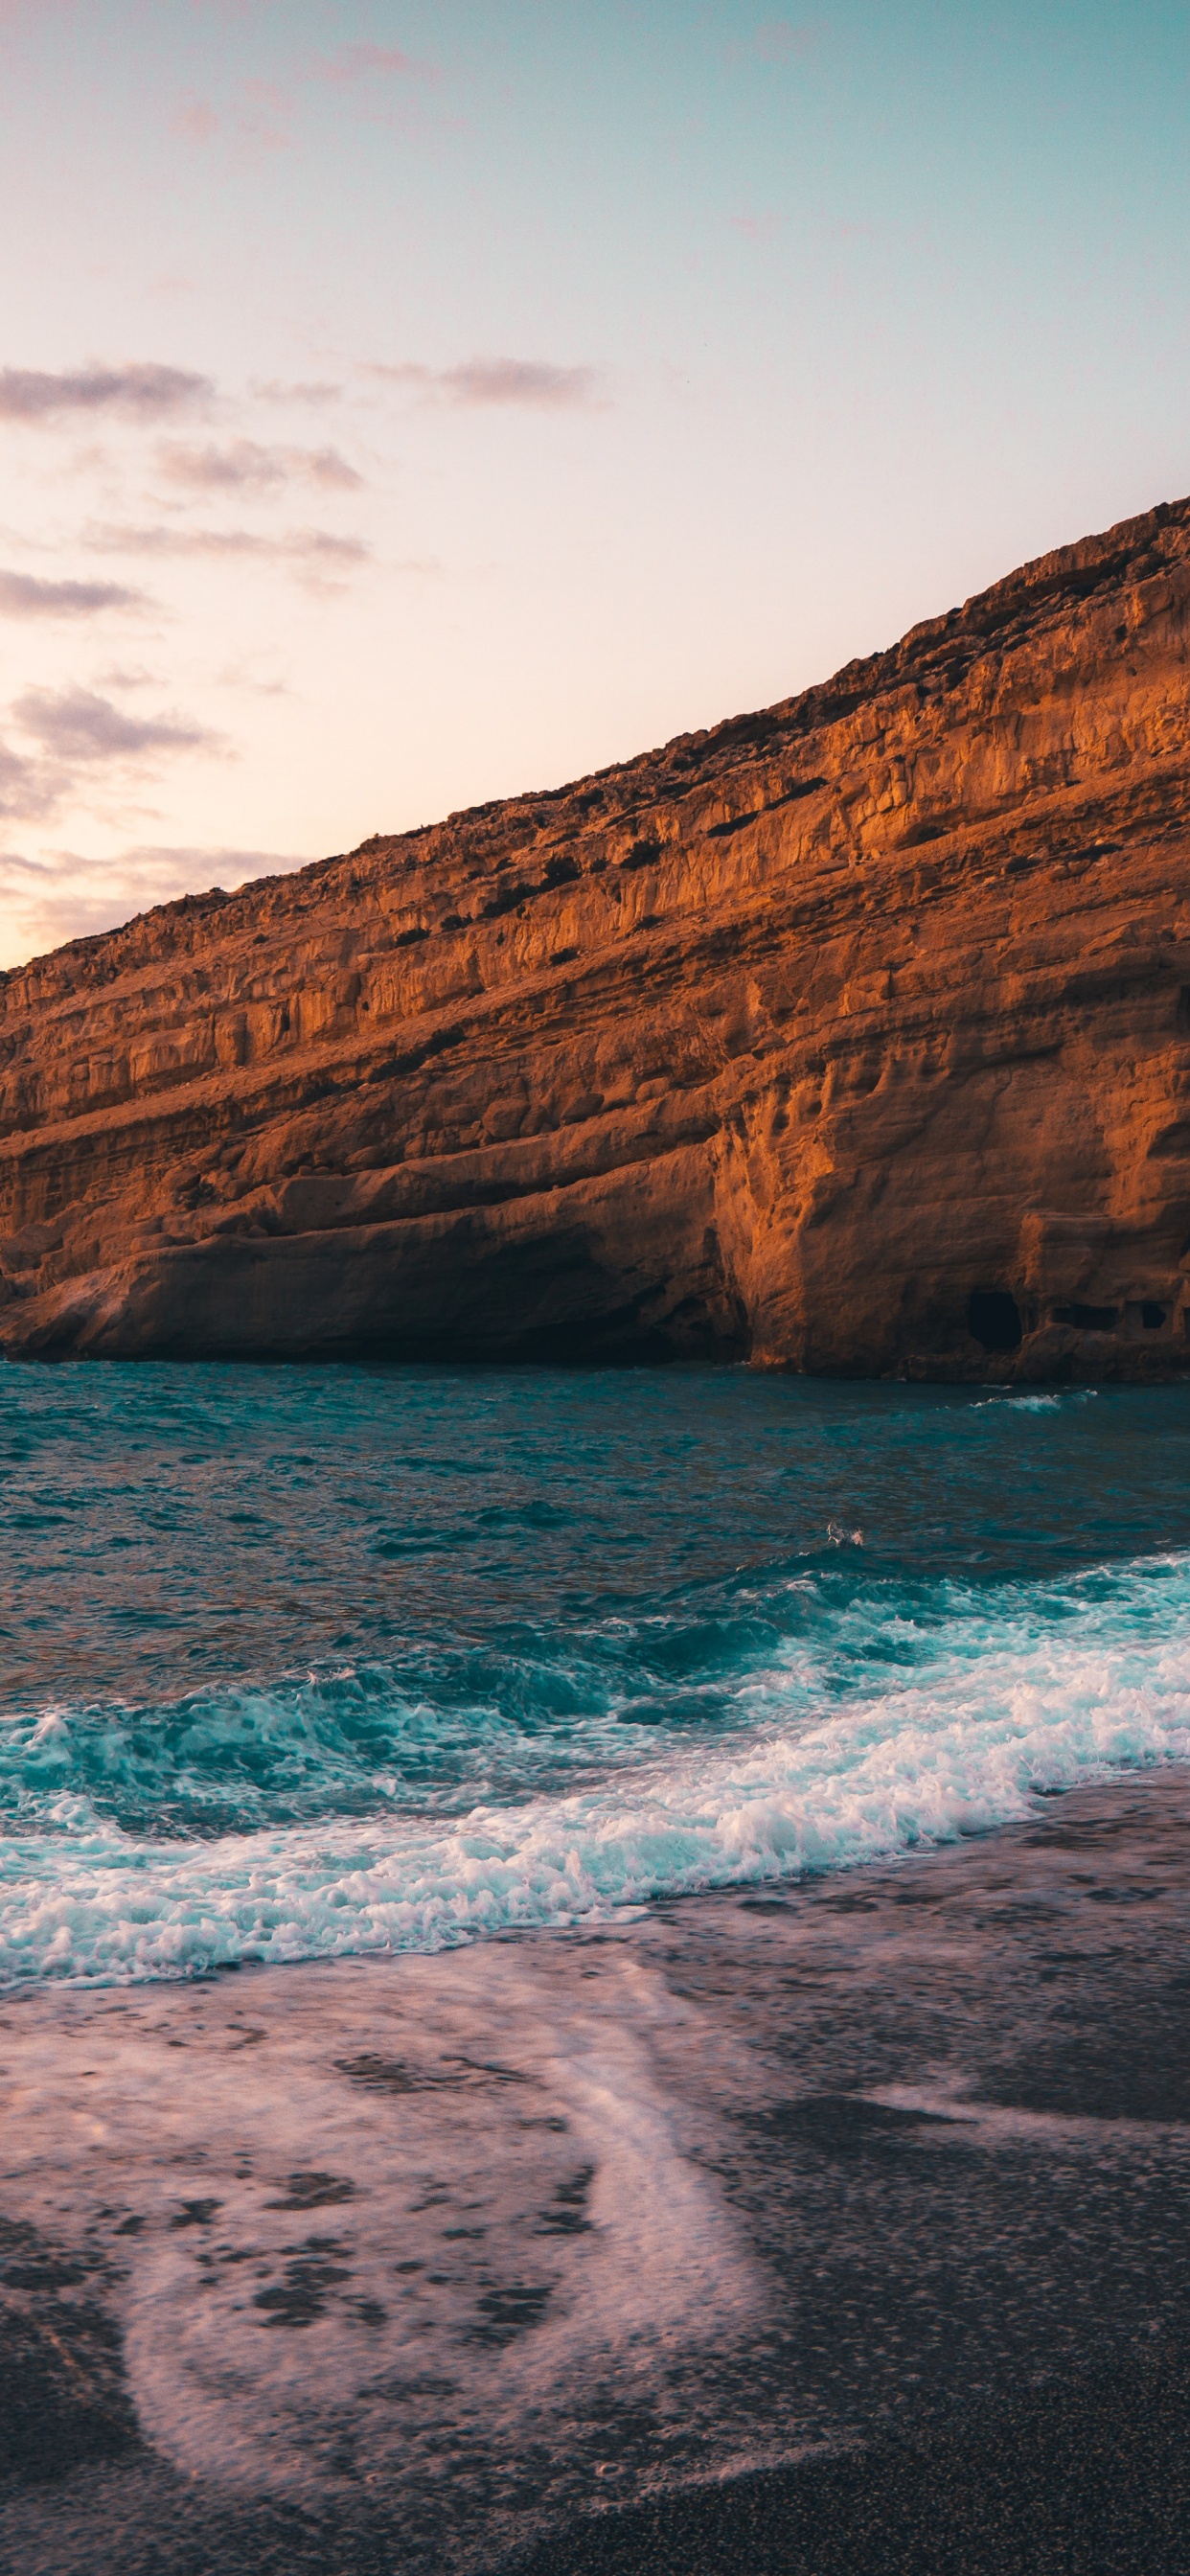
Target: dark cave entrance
(994, 1318)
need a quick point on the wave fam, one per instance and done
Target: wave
(800, 1723)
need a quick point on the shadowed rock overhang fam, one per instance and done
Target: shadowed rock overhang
(851, 1036)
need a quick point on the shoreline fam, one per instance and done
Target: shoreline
(846, 2215)
(1127, 1365)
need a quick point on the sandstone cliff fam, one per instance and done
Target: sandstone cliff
(851, 1036)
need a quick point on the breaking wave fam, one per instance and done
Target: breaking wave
(801, 1718)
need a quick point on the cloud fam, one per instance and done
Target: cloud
(195, 119)
(756, 227)
(22, 596)
(246, 467)
(296, 546)
(58, 896)
(141, 392)
(533, 383)
(76, 725)
(24, 791)
(364, 62)
(275, 391)
(259, 112)
(72, 735)
(520, 380)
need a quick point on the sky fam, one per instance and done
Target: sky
(402, 406)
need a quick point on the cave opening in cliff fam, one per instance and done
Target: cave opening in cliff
(994, 1318)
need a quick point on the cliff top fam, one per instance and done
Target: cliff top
(931, 659)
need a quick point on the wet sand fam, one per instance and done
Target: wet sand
(840, 2228)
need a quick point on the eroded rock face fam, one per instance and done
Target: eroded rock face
(852, 1036)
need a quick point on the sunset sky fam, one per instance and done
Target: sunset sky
(403, 406)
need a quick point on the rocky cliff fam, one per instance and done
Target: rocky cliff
(851, 1036)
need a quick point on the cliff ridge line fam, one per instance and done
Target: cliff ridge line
(852, 1035)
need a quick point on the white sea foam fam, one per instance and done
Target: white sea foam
(1057, 1403)
(1038, 1692)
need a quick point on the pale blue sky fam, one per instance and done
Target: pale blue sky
(569, 377)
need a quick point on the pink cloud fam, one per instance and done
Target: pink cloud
(263, 112)
(77, 738)
(273, 389)
(246, 466)
(364, 62)
(301, 545)
(23, 595)
(519, 380)
(141, 391)
(318, 559)
(77, 725)
(534, 384)
(195, 120)
(59, 896)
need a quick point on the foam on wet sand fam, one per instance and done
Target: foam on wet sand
(519, 2247)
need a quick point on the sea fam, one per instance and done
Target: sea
(310, 1662)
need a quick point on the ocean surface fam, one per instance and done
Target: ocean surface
(309, 1662)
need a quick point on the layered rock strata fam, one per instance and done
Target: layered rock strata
(853, 1036)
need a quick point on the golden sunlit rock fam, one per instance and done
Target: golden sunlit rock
(850, 1036)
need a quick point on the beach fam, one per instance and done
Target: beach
(834, 2224)
(594, 1292)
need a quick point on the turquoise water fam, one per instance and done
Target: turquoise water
(309, 1661)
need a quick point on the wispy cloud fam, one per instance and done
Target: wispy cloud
(25, 793)
(533, 383)
(258, 112)
(58, 896)
(23, 596)
(316, 392)
(755, 227)
(139, 392)
(305, 550)
(367, 62)
(244, 466)
(71, 735)
(262, 112)
(196, 119)
(521, 380)
(76, 725)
